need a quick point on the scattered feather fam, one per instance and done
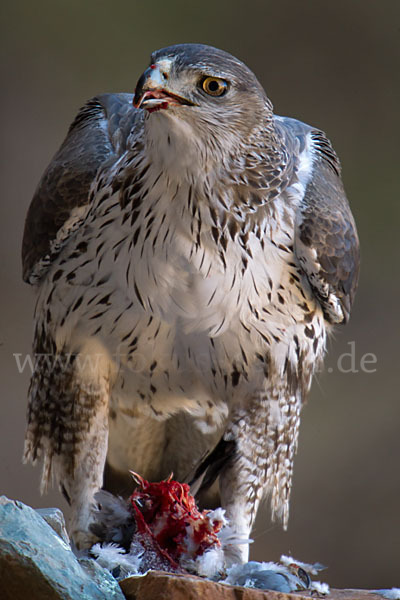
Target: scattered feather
(289, 576)
(320, 588)
(311, 569)
(114, 558)
(161, 528)
(261, 575)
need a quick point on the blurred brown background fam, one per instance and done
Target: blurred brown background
(333, 64)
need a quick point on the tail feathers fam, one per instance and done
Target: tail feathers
(212, 465)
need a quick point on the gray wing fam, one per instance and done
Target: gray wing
(97, 135)
(327, 245)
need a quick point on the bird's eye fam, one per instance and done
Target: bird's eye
(214, 86)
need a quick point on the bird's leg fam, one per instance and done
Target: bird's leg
(82, 435)
(265, 433)
(86, 476)
(68, 426)
(242, 481)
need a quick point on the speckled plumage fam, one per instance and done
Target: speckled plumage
(189, 263)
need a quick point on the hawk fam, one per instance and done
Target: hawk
(191, 251)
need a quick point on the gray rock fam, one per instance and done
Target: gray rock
(36, 563)
(55, 518)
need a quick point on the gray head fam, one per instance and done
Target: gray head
(205, 93)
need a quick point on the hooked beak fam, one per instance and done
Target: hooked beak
(152, 91)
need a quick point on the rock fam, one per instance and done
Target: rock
(158, 584)
(37, 563)
(55, 518)
(105, 581)
(165, 586)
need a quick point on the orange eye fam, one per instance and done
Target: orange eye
(214, 86)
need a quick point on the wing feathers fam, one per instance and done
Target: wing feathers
(97, 134)
(327, 242)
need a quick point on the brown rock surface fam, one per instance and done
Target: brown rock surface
(157, 585)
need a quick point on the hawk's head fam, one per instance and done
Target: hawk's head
(205, 95)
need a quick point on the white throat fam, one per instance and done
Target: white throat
(173, 146)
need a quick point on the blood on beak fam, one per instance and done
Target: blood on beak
(152, 93)
(153, 100)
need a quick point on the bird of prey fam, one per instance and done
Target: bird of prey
(191, 251)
